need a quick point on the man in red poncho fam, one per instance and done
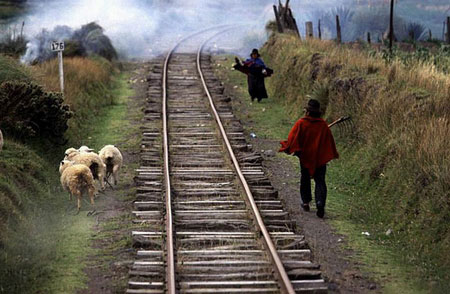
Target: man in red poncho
(312, 141)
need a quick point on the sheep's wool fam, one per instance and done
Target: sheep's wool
(112, 157)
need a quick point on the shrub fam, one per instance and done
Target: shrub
(87, 88)
(95, 42)
(28, 111)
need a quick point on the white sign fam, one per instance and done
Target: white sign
(57, 46)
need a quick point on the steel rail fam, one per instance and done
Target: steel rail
(284, 281)
(170, 272)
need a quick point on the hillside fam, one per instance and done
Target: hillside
(397, 149)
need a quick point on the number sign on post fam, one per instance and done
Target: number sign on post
(59, 47)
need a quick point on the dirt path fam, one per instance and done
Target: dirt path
(341, 270)
(108, 269)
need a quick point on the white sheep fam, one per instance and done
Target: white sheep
(1, 140)
(77, 179)
(71, 152)
(113, 159)
(94, 162)
(85, 149)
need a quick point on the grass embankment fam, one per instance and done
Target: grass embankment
(43, 244)
(394, 171)
(88, 83)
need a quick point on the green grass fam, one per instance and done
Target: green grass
(46, 245)
(10, 69)
(378, 252)
(398, 143)
(69, 257)
(43, 241)
(112, 123)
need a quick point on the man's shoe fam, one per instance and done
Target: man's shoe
(305, 206)
(320, 211)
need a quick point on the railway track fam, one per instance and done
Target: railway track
(208, 220)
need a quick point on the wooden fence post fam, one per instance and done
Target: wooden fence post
(338, 30)
(443, 31)
(391, 27)
(448, 29)
(369, 40)
(412, 36)
(320, 31)
(309, 29)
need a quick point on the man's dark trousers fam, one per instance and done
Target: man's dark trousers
(320, 192)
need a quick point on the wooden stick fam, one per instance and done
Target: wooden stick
(296, 28)
(443, 31)
(339, 120)
(277, 17)
(391, 27)
(448, 29)
(338, 30)
(320, 31)
(286, 8)
(369, 40)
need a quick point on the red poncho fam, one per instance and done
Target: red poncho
(311, 139)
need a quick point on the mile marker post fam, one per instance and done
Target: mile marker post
(59, 47)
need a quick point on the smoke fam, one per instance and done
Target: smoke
(144, 29)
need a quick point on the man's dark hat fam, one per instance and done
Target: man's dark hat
(255, 51)
(313, 106)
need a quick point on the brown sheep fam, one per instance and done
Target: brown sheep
(77, 179)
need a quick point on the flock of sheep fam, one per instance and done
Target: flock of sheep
(82, 167)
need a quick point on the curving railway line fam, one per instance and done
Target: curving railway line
(206, 218)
